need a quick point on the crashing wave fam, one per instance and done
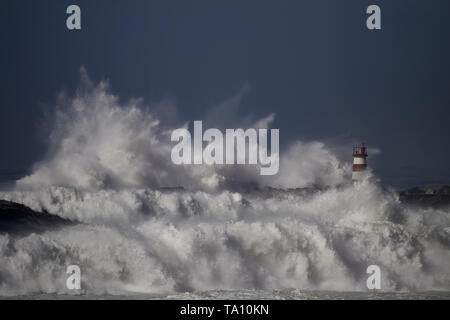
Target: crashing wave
(105, 168)
(154, 241)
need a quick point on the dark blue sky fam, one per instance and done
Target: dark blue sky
(313, 63)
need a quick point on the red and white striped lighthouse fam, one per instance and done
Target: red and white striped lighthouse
(359, 162)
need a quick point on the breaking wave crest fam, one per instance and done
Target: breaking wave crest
(105, 169)
(159, 241)
(98, 143)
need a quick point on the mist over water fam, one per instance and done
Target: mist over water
(106, 165)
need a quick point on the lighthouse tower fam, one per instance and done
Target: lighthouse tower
(359, 162)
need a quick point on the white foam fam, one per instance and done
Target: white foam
(157, 242)
(105, 160)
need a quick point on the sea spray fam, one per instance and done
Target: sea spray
(152, 241)
(106, 165)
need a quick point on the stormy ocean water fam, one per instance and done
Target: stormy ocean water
(108, 199)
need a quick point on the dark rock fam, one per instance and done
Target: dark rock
(445, 190)
(16, 218)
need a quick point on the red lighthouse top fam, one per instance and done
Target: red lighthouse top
(359, 151)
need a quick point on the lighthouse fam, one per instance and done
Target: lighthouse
(359, 162)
